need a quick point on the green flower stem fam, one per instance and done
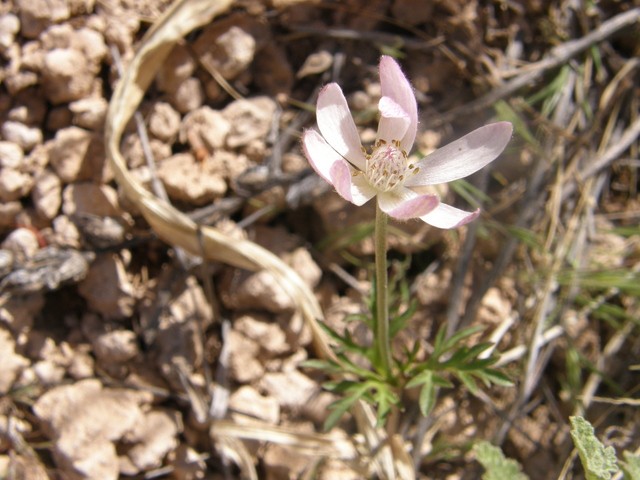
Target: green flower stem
(382, 294)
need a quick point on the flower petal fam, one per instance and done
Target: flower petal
(402, 203)
(394, 121)
(396, 86)
(355, 189)
(337, 126)
(446, 216)
(462, 157)
(319, 153)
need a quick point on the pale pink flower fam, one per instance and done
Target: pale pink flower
(338, 156)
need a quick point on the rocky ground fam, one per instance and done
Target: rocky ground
(112, 343)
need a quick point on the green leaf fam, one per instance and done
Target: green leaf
(476, 350)
(457, 337)
(341, 406)
(598, 462)
(468, 381)
(438, 344)
(497, 466)
(479, 364)
(427, 376)
(384, 398)
(497, 377)
(631, 466)
(398, 322)
(324, 365)
(427, 397)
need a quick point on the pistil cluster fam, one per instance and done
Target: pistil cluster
(387, 166)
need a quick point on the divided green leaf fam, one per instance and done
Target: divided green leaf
(497, 466)
(598, 462)
(631, 466)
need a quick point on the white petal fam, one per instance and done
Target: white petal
(402, 203)
(462, 157)
(337, 126)
(446, 216)
(394, 121)
(319, 153)
(396, 86)
(355, 189)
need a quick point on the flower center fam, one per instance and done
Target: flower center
(387, 166)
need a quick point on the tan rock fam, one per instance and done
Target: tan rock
(11, 154)
(259, 290)
(232, 52)
(293, 389)
(118, 346)
(293, 163)
(66, 232)
(36, 15)
(107, 289)
(434, 287)
(204, 127)
(91, 44)
(244, 367)
(22, 135)
(133, 153)
(89, 113)
(316, 409)
(164, 122)
(178, 339)
(337, 470)
(77, 155)
(268, 335)
(250, 119)
(12, 363)
(32, 56)
(301, 262)
(23, 243)
(66, 75)
(9, 27)
(179, 66)
(154, 438)
(85, 419)
(281, 463)
(49, 372)
(59, 117)
(189, 464)
(188, 96)
(8, 213)
(14, 184)
(248, 401)
(6, 262)
(19, 311)
(82, 363)
(120, 29)
(228, 164)
(18, 81)
(80, 7)
(47, 194)
(29, 108)
(184, 179)
(494, 307)
(90, 199)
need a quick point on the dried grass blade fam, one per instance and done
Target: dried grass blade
(309, 444)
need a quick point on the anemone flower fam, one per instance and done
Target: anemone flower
(337, 155)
